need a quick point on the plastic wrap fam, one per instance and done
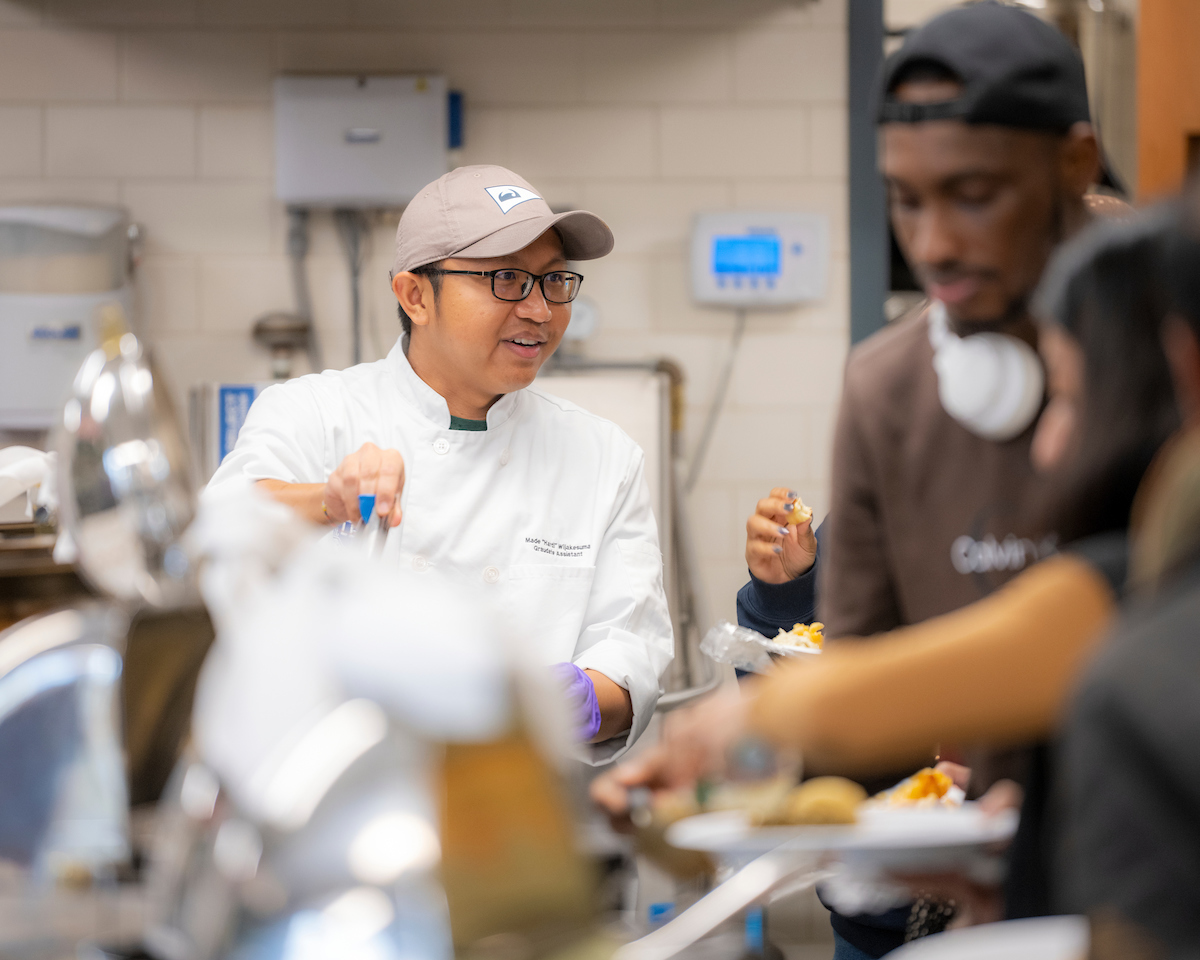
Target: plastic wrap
(729, 643)
(747, 649)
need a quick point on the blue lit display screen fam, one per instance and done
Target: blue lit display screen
(756, 254)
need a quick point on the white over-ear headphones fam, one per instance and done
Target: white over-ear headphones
(991, 383)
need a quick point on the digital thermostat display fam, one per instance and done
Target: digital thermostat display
(752, 260)
(746, 255)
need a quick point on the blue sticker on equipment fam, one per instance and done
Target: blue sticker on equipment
(660, 912)
(755, 941)
(454, 119)
(57, 332)
(234, 403)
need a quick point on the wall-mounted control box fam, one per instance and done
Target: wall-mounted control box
(753, 260)
(358, 141)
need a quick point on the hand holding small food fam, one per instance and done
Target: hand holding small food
(780, 544)
(369, 470)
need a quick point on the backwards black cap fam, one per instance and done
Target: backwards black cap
(1015, 70)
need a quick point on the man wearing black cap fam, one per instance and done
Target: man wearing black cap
(988, 151)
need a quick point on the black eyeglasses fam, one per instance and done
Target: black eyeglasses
(508, 283)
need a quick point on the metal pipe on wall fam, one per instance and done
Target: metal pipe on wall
(868, 201)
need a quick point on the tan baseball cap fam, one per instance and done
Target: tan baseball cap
(488, 211)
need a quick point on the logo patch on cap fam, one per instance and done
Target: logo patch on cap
(507, 197)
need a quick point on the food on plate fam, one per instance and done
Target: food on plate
(804, 635)
(925, 788)
(799, 513)
(821, 800)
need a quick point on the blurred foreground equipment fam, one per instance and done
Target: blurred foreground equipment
(125, 484)
(126, 498)
(79, 684)
(373, 775)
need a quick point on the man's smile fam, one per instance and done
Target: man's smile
(526, 346)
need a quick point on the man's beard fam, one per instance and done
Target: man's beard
(1016, 311)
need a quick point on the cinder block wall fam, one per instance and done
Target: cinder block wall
(645, 111)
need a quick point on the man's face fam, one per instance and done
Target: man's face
(976, 210)
(496, 346)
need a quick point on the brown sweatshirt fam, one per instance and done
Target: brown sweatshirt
(925, 517)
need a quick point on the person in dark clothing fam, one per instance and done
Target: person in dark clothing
(1102, 305)
(1130, 848)
(987, 150)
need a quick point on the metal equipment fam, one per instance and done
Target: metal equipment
(358, 141)
(352, 144)
(58, 267)
(63, 792)
(125, 482)
(283, 334)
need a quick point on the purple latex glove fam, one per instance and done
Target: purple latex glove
(581, 699)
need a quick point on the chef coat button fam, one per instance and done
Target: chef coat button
(419, 563)
(441, 445)
(504, 458)
(491, 574)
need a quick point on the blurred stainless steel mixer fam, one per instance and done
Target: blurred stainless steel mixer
(125, 497)
(345, 869)
(126, 485)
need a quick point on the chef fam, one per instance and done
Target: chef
(535, 508)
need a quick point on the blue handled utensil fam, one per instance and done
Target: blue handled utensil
(375, 526)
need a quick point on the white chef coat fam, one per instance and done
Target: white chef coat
(545, 516)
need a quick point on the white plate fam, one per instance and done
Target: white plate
(879, 829)
(788, 650)
(1041, 938)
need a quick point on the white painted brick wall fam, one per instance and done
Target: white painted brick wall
(645, 111)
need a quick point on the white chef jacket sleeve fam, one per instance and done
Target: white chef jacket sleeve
(283, 438)
(627, 633)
